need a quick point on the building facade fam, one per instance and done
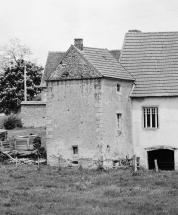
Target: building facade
(88, 108)
(115, 105)
(152, 59)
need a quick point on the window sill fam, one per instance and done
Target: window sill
(75, 156)
(119, 132)
(119, 93)
(150, 129)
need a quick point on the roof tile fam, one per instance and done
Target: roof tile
(52, 62)
(105, 63)
(152, 59)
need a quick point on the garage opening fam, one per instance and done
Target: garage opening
(164, 157)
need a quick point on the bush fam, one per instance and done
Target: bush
(38, 98)
(12, 121)
(41, 151)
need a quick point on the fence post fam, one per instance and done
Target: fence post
(59, 162)
(16, 160)
(134, 163)
(156, 165)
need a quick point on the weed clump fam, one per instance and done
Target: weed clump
(12, 121)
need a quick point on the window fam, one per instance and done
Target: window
(150, 117)
(118, 88)
(75, 150)
(119, 121)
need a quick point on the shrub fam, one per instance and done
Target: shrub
(41, 151)
(38, 98)
(12, 121)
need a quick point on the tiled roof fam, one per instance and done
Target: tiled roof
(52, 62)
(105, 63)
(115, 54)
(152, 59)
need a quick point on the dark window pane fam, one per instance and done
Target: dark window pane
(148, 120)
(75, 149)
(144, 119)
(153, 120)
(157, 119)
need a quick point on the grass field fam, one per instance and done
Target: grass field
(26, 190)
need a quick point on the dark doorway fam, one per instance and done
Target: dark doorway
(164, 157)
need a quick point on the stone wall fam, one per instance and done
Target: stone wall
(33, 113)
(117, 142)
(83, 113)
(73, 119)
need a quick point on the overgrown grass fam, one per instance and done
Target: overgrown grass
(26, 190)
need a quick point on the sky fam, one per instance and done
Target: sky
(52, 25)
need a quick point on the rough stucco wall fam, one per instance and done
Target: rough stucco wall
(73, 118)
(166, 134)
(33, 115)
(43, 94)
(113, 102)
(83, 113)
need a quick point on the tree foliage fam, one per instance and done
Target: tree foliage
(12, 85)
(13, 52)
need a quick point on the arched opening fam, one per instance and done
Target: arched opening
(164, 157)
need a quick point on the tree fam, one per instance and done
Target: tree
(13, 60)
(13, 52)
(12, 85)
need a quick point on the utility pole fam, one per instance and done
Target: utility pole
(25, 83)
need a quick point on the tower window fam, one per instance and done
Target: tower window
(118, 87)
(75, 150)
(119, 117)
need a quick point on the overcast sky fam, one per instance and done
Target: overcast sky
(52, 25)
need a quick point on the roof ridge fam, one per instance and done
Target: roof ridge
(153, 32)
(114, 50)
(94, 48)
(56, 51)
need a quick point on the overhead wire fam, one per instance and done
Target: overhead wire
(104, 24)
(107, 31)
(71, 20)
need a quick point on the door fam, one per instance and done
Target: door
(164, 157)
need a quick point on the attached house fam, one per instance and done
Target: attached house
(88, 107)
(152, 59)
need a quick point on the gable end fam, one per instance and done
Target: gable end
(74, 66)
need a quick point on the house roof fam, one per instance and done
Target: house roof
(152, 59)
(115, 54)
(105, 63)
(52, 62)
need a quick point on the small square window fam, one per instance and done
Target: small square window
(119, 117)
(75, 150)
(118, 87)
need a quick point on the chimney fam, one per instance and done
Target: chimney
(135, 30)
(78, 43)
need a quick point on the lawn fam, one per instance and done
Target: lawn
(26, 190)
